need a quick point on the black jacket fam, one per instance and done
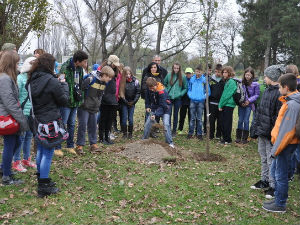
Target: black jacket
(267, 112)
(109, 97)
(48, 94)
(216, 89)
(132, 91)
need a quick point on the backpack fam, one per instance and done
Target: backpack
(239, 96)
(298, 127)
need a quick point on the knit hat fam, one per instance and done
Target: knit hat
(27, 65)
(275, 71)
(108, 70)
(113, 59)
(8, 47)
(95, 66)
(189, 70)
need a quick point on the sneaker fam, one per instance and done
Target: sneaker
(189, 136)
(112, 136)
(28, 163)
(269, 202)
(58, 152)
(180, 132)
(260, 185)
(291, 178)
(10, 180)
(71, 150)
(172, 145)
(108, 142)
(227, 143)
(200, 137)
(17, 165)
(270, 193)
(94, 148)
(272, 207)
(79, 150)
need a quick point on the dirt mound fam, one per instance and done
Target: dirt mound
(149, 152)
(202, 156)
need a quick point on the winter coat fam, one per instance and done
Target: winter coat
(132, 91)
(227, 95)
(23, 94)
(48, 95)
(9, 101)
(175, 92)
(284, 131)
(158, 101)
(94, 90)
(252, 93)
(197, 88)
(144, 87)
(216, 89)
(68, 68)
(109, 97)
(267, 111)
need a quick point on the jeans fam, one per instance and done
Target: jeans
(196, 117)
(127, 114)
(176, 104)
(167, 128)
(244, 116)
(279, 171)
(11, 144)
(26, 144)
(43, 160)
(69, 119)
(86, 120)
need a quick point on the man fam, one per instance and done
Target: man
(72, 69)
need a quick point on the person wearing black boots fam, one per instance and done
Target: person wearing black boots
(48, 94)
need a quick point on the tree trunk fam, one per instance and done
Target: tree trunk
(267, 53)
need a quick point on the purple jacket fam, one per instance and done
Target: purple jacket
(252, 93)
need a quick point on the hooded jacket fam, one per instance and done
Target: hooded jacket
(48, 94)
(284, 131)
(196, 88)
(175, 92)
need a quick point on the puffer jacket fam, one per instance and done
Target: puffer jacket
(284, 131)
(132, 91)
(48, 94)
(9, 101)
(177, 91)
(267, 111)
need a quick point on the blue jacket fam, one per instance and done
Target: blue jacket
(197, 88)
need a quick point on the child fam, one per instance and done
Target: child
(176, 86)
(94, 85)
(216, 84)
(158, 105)
(197, 95)
(227, 104)
(185, 100)
(128, 100)
(251, 89)
(284, 141)
(265, 118)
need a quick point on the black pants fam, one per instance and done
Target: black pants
(226, 116)
(182, 113)
(115, 122)
(215, 115)
(107, 115)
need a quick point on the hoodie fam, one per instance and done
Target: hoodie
(48, 94)
(284, 131)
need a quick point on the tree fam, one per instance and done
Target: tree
(18, 18)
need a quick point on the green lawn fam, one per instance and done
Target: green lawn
(107, 188)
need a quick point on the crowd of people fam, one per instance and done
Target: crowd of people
(41, 103)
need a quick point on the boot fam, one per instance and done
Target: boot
(130, 130)
(52, 183)
(238, 136)
(245, 136)
(124, 131)
(46, 187)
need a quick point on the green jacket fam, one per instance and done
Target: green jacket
(22, 80)
(176, 91)
(227, 95)
(69, 69)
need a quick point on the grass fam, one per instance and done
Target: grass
(107, 188)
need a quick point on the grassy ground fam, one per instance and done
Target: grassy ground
(107, 188)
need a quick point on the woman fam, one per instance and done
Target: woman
(251, 90)
(10, 106)
(48, 93)
(176, 87)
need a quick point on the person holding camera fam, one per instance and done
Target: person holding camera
(72, 71)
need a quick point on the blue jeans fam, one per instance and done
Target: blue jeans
(43, 160)
(86, 120)
(26, 144)
(244, 116)
(176, 104)
(11, 144)
(196, 109)
(167, 129)
(127, 114)
(279, 171)
(69, 118)
(294, 160)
